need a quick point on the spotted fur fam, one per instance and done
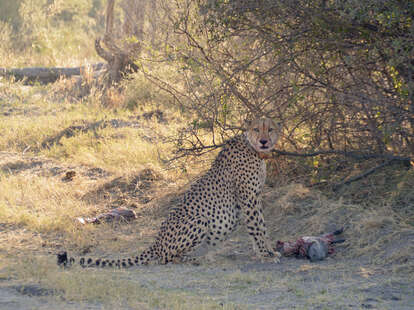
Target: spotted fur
(230, 192)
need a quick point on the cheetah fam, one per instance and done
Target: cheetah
(229, 193)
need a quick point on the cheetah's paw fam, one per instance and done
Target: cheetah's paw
(271, 257)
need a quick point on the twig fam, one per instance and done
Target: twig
(353, 154)
(362, 175)
(26, 149)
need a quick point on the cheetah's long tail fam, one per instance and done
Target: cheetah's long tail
(65, 261)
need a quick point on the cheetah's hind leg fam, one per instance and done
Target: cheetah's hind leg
(187, 242)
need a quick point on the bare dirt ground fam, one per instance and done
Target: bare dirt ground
(373, 269)
(244, 284)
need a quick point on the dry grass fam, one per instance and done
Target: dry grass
(38, 209)
(376, 233)
(40, 203)
(108, 288)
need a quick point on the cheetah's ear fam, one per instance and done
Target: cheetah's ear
(278, 124)
(247, 123)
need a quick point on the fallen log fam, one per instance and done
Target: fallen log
(45, 75)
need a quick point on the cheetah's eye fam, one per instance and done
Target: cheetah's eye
(256, 129)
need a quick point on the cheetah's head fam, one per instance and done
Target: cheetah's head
(263, 134)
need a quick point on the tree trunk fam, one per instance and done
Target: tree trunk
(122, 45)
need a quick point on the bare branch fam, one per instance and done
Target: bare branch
(362, 175)
(102, 52)
(355, 155)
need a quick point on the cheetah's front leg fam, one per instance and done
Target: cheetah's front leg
(256, 227)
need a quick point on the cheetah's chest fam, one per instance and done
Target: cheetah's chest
(225, 214)
(261, 174)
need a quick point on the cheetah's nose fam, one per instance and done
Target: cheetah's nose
(263, 141)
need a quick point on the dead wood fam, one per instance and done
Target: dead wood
(361, 175)
(119, 215)
(351, 154)
(389, 160)
(122, 46)
(45, 75)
